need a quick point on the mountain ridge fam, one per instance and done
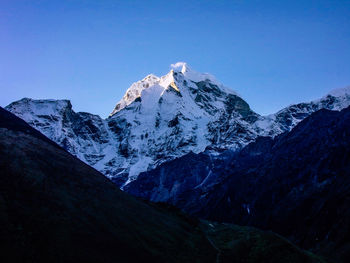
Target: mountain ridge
(296, 184)
(162, 118)
(55, 208)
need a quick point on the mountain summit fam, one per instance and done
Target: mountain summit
(160, 119)
(156, 86)
(192, 74)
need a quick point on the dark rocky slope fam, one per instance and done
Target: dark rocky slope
(55, 208)
(297, 184)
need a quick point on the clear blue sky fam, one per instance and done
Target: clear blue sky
(273, 53)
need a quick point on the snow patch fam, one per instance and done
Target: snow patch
(340, 92)
(178, 66)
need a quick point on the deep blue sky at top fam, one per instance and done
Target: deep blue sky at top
(273, 53)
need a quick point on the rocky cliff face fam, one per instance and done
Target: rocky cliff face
(160, 119)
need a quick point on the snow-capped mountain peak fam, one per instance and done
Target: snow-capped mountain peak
(162, 118)
(135, 91)
(30, 107)
(180, 78)
(191, 74)
(179, 66)
(340, 92)
(158, 119)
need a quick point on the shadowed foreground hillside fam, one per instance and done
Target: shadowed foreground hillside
(55, 208)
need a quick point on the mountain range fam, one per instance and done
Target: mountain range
(296, 184)
(185, 140)
(163, 118)
(55, 208)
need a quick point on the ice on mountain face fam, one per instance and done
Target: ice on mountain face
(160, 119)
(165, 123)
(285, 119)
(178, 66)
(191, 74)
(341, 92)
(135, 91)
(198, 77)
(39, 107)
(82, 134)
(337, 99)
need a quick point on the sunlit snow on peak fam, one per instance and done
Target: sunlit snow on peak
(340, 92)
(169, 80)
(192, 74)
(179, 66)
(150, 77)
